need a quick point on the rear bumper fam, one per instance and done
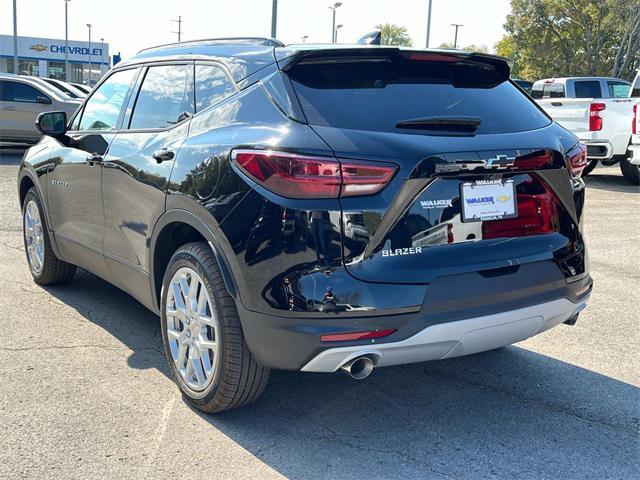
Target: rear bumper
(598, 150)
(455, 339)
(634, 149)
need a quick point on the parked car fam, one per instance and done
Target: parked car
(211, 181)
(65, 87)
(634, 148)
(598, 111)
(83, 88)
(21, 100)
(526, 85)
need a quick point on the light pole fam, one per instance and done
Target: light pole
(428, 23)
(89, 27)
(333, 24)
(274, 18)
(455, 39)
(101, 55)
(338, 27)
(15, 38)
(66, 40)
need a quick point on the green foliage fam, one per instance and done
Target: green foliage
(469, 48)
(394, 35)
(554, 38)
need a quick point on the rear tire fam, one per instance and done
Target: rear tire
(630, 171)
(202, 335)
(44, 266)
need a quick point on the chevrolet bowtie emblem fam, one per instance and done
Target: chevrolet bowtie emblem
(501, 161)
(38, 47)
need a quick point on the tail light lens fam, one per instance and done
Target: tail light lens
(537, 215)
(299, 176)
(533, 161)
(634, 122)
(595, 120)
(577, 160)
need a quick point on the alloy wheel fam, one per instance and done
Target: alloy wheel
(192, 329)
(34, 239)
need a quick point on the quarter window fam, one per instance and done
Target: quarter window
(618, 89)
(103, 108)
(212, 86)
(165, 98)
(19, 92)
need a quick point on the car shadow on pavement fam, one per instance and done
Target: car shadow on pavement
(509, 413)
(610, 182)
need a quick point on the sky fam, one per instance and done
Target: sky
(131, 25)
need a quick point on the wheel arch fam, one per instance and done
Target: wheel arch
(174, 229)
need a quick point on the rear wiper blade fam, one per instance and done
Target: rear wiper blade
(464, 124)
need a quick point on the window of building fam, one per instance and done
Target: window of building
(25, 67)
(212, 86)
(102, 110)
(55, 70)
(165, 98)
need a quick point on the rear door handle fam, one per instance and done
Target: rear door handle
(163, 155)
(94, 158)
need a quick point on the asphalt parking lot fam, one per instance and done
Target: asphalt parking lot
(85, 391)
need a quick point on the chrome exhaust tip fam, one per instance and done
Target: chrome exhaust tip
(358, 368)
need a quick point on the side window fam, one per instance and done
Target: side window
(212, 86)
(102, 110)
(635, 92)
(588, 89)
(165, 98)
(19, 92)
(618, 89)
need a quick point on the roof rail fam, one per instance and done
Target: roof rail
(264, 41)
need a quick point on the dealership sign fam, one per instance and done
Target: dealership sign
(53, 49)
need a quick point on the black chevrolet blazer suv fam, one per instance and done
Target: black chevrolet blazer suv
(312, 207)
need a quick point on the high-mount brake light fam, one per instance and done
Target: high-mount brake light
(302, 176)
(432, 57)
(634, 120)
(577, 160)
(595, 120)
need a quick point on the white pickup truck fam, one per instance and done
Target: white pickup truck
(598, 111)
(634, 148)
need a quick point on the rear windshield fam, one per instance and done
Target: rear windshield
(376, 95)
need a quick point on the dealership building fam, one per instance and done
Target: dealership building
(44, 57)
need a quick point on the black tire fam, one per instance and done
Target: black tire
(238, 378)
(630, 171)
(590, 167)
(53, 269)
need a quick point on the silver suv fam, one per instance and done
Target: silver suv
(21, 100)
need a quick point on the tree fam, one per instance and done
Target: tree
(547, 38)
(394, 35)
(469, 48)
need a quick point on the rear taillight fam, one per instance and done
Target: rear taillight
(595, 120)
(537, 215)
(577, 160)
(533, 161)
(301, 176)
(634, 122)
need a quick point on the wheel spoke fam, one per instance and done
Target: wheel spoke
(206, 344)
(177, 297)
(174, 334)
(198, 368)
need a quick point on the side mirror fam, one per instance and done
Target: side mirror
(43, 99)
(53, 124)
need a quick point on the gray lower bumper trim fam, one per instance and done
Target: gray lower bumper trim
(455, 339)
